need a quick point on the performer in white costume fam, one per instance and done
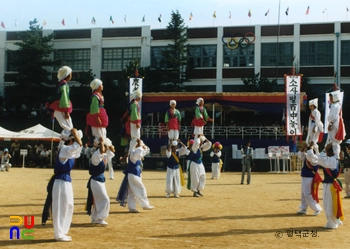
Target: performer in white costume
(315, 127)
(132, 190)
(98, 203)
(173, 176)
(334, 123)
(62, 191)
(135, 120)
(196, 171)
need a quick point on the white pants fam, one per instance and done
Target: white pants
(110, 169)
(98, 132)
(347, 181)
(173, 185)
(197, 173)
(66, 124)
(173, 134)
(306, 197)
(198, 130)
(100, 209)
(4, 166)
(135, 133)
(62, 207)
(332, 221)
(335, 143)
(215, 170)
(136, 192)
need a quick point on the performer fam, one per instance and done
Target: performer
(135, 120)
(196, 171)
(174, 176)
(132, 188)
(62, 191)
(247, 156)
(173, 121)
(189, 156)
(5, 160)
(216, 161)
(98, 203)
(315, 127)
(201, 117)
(336, 129)
(332, 203)
(310, 180)
(346, 159)
(97, 118)
(62, 106)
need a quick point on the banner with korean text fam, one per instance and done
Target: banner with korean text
(293, 125)
(134, 84)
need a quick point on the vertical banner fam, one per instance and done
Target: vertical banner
(293, 124)
(327, 108)
(134, 84)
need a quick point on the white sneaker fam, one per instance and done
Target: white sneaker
(148, 208)
(176, 196)
(301, 212)
(112, 178)
(134, 211)
(317, 212)
(167, 195)
(64, 239)
(339, 222)
(102, 222)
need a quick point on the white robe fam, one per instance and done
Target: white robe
(197, 171)
(333, 118)
(215, 167)
(314, 128)
(62, 195)
(66, 124)
(172, 182)
(136, 190)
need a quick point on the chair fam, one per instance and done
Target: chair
(277, 162)
(286, 162)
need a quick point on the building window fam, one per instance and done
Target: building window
(11, 61)
(345, 53)
(316, 53)
(239, 56)
(77, 59)
(119, 58)
(269, 54)
(157, 59)
(202, 56)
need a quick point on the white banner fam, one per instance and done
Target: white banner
(327, 108)
(134, 84)
(293, 124)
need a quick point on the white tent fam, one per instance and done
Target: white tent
(37, 132)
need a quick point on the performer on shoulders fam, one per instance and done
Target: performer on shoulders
(173, 121)
(315, 127)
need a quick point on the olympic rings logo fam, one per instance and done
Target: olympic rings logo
(237, 40)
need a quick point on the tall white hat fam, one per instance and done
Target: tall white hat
(95, 84)
(174, 143)
(63, 72)
(199, 100)
(172, 102)
(314, 102)
(335, 96)
(137, 94)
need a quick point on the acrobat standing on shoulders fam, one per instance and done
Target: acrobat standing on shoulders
(173, 121)
(201, 117)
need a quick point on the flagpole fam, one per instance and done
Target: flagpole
(278, 35)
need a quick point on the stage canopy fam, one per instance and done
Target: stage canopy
(231, 101)
(37, 132)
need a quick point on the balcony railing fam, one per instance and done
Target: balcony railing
(227, 132)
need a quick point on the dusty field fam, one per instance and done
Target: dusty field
(230, 215)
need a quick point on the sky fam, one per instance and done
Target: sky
(78, 14)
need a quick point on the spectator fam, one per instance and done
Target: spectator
(5, 160)
(15, 147)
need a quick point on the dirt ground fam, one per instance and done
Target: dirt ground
(230, 215)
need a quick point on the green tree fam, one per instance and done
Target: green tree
(176, 53)
(259, 84)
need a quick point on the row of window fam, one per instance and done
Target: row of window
(234, 55)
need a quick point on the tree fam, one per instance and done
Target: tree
(258, 84)
(176, 53)
(33, 56)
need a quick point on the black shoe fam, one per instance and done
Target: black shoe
(248, 183)
(241, 182)
(195, 194)
(199, 193)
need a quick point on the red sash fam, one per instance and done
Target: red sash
(316, 180)
(338, 188)
(341, 128)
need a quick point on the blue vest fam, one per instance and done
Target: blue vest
(195, 157)
(334, 172)
(172, 164)
(306, 171)
(97, 172)
(62, 170)
(215, 159)
(132, 168)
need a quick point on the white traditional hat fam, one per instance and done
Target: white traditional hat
(203, 138)
(95, 84)
(199, 100)
(335, 96)
(79, 133)
(174, 143)
(314, 102)
(107, 142)
(63, 72)
(172, 102)
(347, 141)
(137, 94)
